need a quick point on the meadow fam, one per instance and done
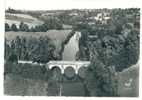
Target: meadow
(17, 18)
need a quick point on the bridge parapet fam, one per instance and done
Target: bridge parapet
(76, 65)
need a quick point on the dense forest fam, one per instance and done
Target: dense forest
(116, 41)
(38, 50)
(111, 48)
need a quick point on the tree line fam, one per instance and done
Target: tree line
(47, 25)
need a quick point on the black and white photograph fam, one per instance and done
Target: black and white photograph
(77, 52)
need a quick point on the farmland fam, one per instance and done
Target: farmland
(59, 35)
(17, 18)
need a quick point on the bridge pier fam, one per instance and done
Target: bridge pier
(77, 69)
(62, 69)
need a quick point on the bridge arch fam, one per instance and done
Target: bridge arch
(70, 65)
(76, 65)
(82, 72)
(69, 72)
(56, 73)
(55, 68)
(50, 66)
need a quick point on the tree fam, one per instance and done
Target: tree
(33, 29)
(24, 52)
(7, 27)
(18, 47)
(129, 51)
(100, 79)
(42, 50)
(23, 27)
(40, 28)
(14, 27)
(7, 50)
(53, 23)
(101, 74)
(13, 57)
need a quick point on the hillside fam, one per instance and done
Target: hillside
(53, 34)
(17, 18)
(128, 81)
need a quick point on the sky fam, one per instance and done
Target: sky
(68, 4)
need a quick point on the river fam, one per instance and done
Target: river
(71, 48)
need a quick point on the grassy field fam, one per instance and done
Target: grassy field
(129, 82)
(17, 18)
(59, 35)
(19, 86)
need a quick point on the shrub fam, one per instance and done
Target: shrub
(7, 27)
(14, 27)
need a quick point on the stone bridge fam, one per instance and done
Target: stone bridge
(62, 65)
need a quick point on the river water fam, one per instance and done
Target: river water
(71, 48)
